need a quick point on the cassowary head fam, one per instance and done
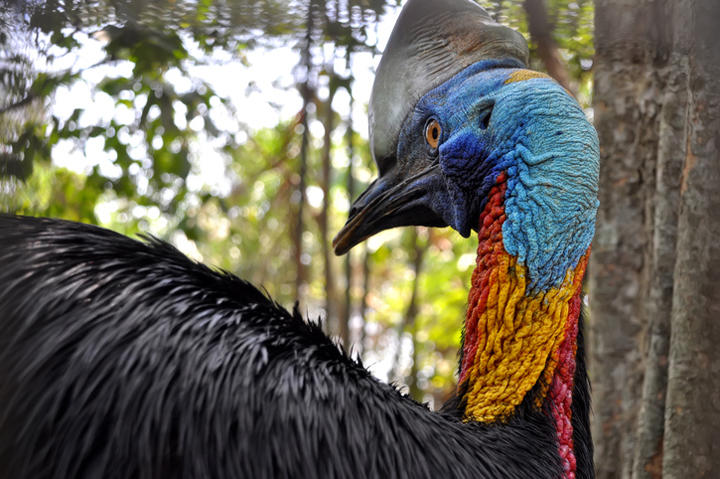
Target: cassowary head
(455, 112)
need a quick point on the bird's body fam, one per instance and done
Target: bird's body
(125, 359)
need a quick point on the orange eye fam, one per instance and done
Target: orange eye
(433, 132)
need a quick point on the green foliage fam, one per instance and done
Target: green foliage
(57, 192)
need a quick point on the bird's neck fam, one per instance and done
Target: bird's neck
(519, 344)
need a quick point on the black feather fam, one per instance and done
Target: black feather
(582, 442)
(125, 359)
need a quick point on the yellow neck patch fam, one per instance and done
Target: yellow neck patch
(512, 339)
(517, 341)
(521, 75)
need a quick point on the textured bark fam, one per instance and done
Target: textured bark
(647, 460)
(631, 51)
(657, 109)
(692, 415)
(541, 34)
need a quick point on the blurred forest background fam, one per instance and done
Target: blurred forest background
(237, 130)
(113, 114)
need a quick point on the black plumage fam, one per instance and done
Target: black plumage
(125, 359)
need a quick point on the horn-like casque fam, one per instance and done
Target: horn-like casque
(431, 42)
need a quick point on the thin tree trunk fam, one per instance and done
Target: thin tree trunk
(330, 296)
(541, 34)
(306, 92)
(347, 310)
(496, 9)
(364, 300)
(412, 308)
(299, 224)
(414, 389)
(692, 415)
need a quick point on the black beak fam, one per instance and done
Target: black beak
(392, 201)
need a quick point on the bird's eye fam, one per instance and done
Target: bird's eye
(433, 132)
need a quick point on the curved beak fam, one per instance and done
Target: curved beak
(391, 201)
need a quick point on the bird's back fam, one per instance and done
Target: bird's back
(121, 358)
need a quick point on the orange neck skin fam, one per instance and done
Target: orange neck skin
(518, 342)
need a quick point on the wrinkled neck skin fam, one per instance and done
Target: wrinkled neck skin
(514, 336)
(518, 344)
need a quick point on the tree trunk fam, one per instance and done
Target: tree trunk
(692, 416)
(656, 261)
(541, 34)
(326, 180)
(414, 389)
(364, 306)
(408, 321)
(347, 310)
(306, 92)
(631, 50)
(647, 459)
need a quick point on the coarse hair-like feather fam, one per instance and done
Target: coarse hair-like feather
(125, 359)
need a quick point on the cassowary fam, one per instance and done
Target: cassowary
(125, 359)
